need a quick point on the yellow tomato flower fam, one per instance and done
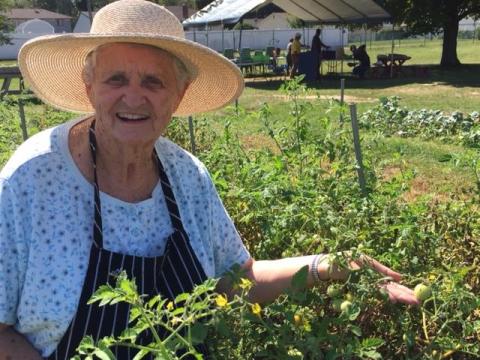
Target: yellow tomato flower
(170, 306)
(221, 301)
(256, 309)
(245, 284)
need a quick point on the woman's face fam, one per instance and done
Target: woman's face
(134, 92)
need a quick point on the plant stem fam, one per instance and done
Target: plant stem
(159, 342)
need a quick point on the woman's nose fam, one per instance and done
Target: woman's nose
(133, 96)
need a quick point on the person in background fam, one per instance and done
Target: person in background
(289, 55)
(361, 55)
(296, 48)
(277, 69)
(316, 50)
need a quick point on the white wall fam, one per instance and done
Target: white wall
(272, 21)
(24, 32)
(260, 39)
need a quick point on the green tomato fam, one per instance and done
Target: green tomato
(422, 292)
(344, 306)
(337, 304)
(333, 291)
(349, 297)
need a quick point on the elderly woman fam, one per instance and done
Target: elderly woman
(106, 192)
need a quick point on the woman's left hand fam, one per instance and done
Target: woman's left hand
(396, 292)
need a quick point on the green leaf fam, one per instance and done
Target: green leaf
(129, 334)
(153, 301)
(372, 343)
(128, 286)
(178, 311)
(198, 332)
(356, 330)
(299, 280)
(182, 297)
(103, 355)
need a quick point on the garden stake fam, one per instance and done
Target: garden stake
(358, 150)
(342, 93)
(23, 123)
(192, 135)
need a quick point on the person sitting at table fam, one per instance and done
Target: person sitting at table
(361, 55)
(277, 69)
(295, 50)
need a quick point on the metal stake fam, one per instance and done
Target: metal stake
(358, 150)
(342, 95)
(192, 136)
(23, 123)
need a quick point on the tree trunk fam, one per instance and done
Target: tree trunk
(449, 52)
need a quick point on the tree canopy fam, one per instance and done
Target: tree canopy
(435, 16)
(5, 26)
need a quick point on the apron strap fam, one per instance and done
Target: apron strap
(97, 225)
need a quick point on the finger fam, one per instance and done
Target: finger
(376, 265)
(400, 293)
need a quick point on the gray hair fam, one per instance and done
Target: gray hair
(183, 76)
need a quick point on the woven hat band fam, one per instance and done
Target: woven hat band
(136, 17)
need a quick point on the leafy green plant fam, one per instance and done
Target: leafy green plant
(390, 118)
(181, 318)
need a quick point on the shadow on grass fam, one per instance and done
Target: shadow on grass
(467, 75)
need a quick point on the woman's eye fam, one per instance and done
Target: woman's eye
(116, 80)
(153, 82)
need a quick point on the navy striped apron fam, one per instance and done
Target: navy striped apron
(176, 271)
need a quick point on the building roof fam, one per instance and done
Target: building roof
(318, 11)
(22, 14)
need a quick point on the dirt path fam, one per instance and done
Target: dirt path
(347, 98)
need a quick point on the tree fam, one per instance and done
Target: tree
(435, 16)
(5, 26)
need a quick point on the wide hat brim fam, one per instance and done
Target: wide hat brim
(52, 66)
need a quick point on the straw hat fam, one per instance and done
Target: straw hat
(53, 64)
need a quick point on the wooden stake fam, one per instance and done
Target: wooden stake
(192, 136)
(23, 123)
(358, 150)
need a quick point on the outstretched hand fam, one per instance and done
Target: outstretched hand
(395, 291)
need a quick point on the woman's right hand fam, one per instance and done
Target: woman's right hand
(14, 346)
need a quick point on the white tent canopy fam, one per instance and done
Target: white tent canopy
(316, 11)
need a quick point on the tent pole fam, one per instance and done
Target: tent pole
(194, 35)
(240, 40)
(371, 37)
(343, 48)
(206, 34)
(223, 38)
(233, 35)
(474, 30)
(89, 9)
(393, 49)
(365, 34)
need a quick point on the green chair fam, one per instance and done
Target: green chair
(245, 55)
(229, 54)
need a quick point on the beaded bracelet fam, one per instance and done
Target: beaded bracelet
(314, 267)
